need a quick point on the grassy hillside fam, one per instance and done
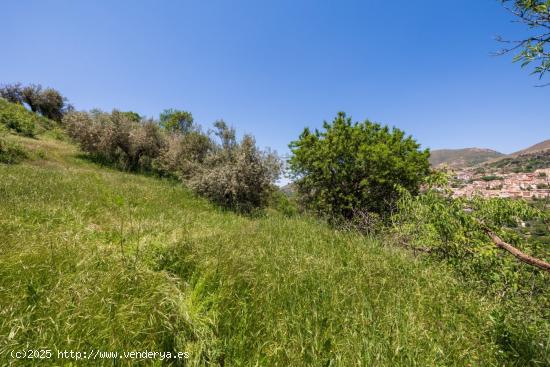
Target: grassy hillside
(460, 158)
(93, 258)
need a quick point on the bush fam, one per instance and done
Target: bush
(355, 166)
(16, 117)
(116, 139)
(184, 154)
(239, 177)
(236, 175)
(11, 153)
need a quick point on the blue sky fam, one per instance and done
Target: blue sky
(270, 68)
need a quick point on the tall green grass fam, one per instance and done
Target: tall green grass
(93, 258)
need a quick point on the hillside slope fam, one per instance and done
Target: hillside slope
(536, 148)
(460, 158)
(96, 259)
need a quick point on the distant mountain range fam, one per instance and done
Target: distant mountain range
(460, 158)
(468, 157)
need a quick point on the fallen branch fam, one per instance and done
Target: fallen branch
(521, 256)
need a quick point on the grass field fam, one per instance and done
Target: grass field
(93, 258)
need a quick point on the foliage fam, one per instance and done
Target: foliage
(48, 102)
(12, 93)
(11, 152)
(355, 166)
(93, 258)
(522, 163)
(451, 230)
(116, 139)
(237, 175)
(177, 121)
(283, 203)
(51, 104)
(535, 14)
(17, 118)
(132, 116)
(184, 154)
(491, 178)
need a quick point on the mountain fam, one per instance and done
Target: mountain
(539, 147)
(524, 162)
(460, 158)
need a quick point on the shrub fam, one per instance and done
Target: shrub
(355, 166)
(146, 143)
(237, 176)
(132, 116)
(11, 153)
(184, 154)
(116, 139)
(16, 117)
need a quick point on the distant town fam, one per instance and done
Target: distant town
(533, 185)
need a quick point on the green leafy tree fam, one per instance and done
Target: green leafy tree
(352, 167)
(534, 48)
(177, 121)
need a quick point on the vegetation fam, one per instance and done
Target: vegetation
(355, 166)
(113, 260)
(461, 158)
(491, 178)
(20, 120)
(455, 231)
(103, 259)
(48, 102)
(177, 121)
(116, 139)
(521, 163)
(236, 175)
(11, 152)
(535, 14)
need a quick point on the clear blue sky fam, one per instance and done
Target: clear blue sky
(270, 68)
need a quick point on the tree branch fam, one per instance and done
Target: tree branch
(521, 256)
